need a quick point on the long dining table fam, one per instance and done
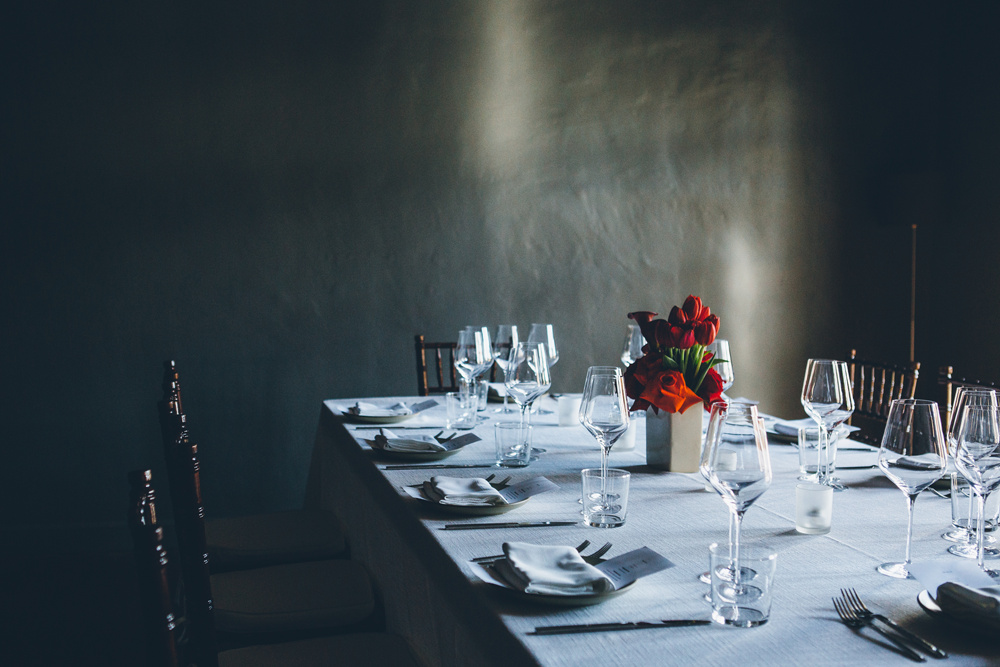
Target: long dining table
(432, 597)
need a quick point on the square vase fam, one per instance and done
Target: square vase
(673, 440)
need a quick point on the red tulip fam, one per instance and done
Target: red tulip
(693, 308)
(705, 332)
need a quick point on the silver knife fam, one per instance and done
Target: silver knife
(424, 466)
(507, 524)
(919, 642)
(610, 627)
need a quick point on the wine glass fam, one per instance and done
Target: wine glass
(543, 333)
(965, 535)
(527, 375)
(913, 456)
(979, 462)
(604, 412)
(720, 348)
(505, 340)
(632, 347)
(828, 397)
(473, 354)
(735, 459)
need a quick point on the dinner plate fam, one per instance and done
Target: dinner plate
(469, 510)
(412, 456)
(373, 419)
(485, 574)
(930, 605)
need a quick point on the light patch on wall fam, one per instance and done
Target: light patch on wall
(508, 89)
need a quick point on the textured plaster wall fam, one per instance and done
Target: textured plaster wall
(279, 198)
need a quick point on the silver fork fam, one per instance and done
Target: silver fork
(854, 622)
(595, 557)
(861, 610)
(490, 559)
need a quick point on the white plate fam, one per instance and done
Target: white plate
(486, 575)
(366, 419)
(416, 492)
(930, 605)
(413, 456)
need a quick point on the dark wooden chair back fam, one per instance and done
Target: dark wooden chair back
(876, 384)
(442, 364)
(159, 620)
(184, 476)
(950, 384)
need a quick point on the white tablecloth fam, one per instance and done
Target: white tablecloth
(432, 597)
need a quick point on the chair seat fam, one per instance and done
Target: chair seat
(293, 597)
(357, 650)
(275, 538)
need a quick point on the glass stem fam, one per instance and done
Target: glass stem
(604, 470)
(737, 527)
(821, 450)
(980, 528)
(910, 499)
(524, 415)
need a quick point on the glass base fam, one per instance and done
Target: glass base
(511, 464)
(960, 535)
(895, 570)
(971, 551)
(602, 520)
(738, 616)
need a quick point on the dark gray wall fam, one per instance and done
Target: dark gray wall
(279, 195)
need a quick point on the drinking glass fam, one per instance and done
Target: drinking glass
(828, 397)
(979, 462)
(913, 456)
(527, 375)
(505, 340)
(473, 354)
(632, 348)
(965, 535)
(604, 412)
(736, 461)
(543, 333)
(720, 348)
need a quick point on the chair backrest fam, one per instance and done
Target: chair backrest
(184, 475)
(876, 384)
(442, 360)
(155, 595)
(947, 380)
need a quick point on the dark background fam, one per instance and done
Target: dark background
(279, 195)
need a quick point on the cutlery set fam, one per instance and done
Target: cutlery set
(856, 615)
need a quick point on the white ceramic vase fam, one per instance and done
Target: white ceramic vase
(673, 440)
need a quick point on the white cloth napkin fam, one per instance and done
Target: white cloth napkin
(792, 426)
(414, 443)
(364, 409)
(550, 570)
(979, 604)
(462, 491)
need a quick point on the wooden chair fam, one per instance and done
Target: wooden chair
(176, 637)
(876, 384)
(947, 380)
(257, 540)
(277, 602)
(443, 362)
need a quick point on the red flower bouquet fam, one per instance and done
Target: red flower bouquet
(675, 372)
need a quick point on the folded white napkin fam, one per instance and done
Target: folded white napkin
(792, 426)
(550, 570)
(462, 491)
(979, 604)
(364, 409)
(414, 443)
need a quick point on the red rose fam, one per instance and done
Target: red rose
(710, 390)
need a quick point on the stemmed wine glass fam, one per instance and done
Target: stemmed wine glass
(505, 340)
(720, 348)
(544, 334)
(604, 412)
(828, 397)
(632, 347)
(979, 462)
(913, 456)
(473, 355)
(965, 535)
(736, 461)
(527, 375)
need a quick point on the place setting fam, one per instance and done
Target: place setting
(564, 575)
(420, 447)
(477, 496)
(367, 412)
